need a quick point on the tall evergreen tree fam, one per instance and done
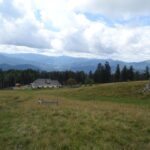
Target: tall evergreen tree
(107, 76)
(130, 73)
(147, 73)
(103, 76)
(124, 75)
(1, 79)
(137, 75)
(117, 73)
(97, 74)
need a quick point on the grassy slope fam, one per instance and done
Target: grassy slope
(114, 92)
(94, 117)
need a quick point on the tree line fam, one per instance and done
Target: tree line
(102, 74)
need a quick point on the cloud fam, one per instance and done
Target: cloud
(24, 33)
(8, 10)
(62, 27)
(21, 28)
(115, 7)
(108, 42)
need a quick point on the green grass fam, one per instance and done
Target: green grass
(107, 116)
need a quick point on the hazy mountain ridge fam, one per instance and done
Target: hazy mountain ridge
(18, 67)
(59, 63)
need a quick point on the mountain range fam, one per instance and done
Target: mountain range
(24, 61)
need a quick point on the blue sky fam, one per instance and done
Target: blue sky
(112, 29)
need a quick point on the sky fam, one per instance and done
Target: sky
(107, 29)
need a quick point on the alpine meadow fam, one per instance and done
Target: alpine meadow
(107, 116)
(74, 75)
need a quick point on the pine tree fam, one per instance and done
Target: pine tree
(117, 73)
(124, 75)
(131, 73)
(107, 76)
(147, 73)
(97, 74)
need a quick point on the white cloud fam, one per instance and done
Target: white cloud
(25, 31)
(114, 7)
(8, 10)
(108, 42)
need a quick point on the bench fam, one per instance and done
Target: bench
(46, 102)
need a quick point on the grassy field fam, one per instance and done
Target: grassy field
(98, 117)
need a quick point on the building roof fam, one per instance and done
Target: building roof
(45, 82)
